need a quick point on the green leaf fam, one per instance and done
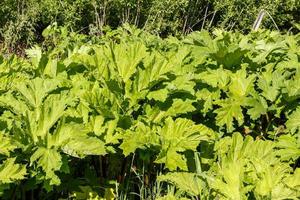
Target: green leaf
(209, 98)
(230, 185)
(240, 84)
(126, 57)
(293, 181)
(215, 78)
(270, 83)
(141, 137)
(158, 95)
(50, 161)
(229, 176)
(35, 91)
(289, 147)
(171, 197)
(182, 83)
(265, 48)
(229, 110)
(180, 106)
(258, 106)
(83, 146)
(173, 159)
(184, 181)
(11, 172)
(176, 137)
(292, 85)
(269, 181)
(42, 119)
(7, 145)
(10, 102)
(98, 125)
(35, 54)
(156, 68)
(74, 140)
(293, 122)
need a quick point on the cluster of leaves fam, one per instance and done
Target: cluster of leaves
(207, 116)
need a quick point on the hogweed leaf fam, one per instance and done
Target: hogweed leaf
(229, 110)
(176, 137)
(293, 122)
(289, 147)
(11, 172)
(141, 137)
(83, 146)
(7, 144)
(240, 84)
(258, 106)
(187, 182)
(49, 160)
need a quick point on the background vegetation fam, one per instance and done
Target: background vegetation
(22, 21)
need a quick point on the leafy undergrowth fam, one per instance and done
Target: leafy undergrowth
(130, 115)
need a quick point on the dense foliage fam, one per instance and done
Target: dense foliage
(131, 115)
(22, 21)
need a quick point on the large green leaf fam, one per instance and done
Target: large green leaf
(293, 122)
(229, 110)
(209, 98)
(83, 146)
(35, 91)
(74, 140)
(258, 106)
(215, 78)
(11, 171)
(270, 83)
(289, 147)
(7, 144)
(141, 137)
(50, 161)
(126, 57)
(230, 184)
(177, 137)
(187, 182)
(42, 119)
(240, 84)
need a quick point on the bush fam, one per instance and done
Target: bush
(22, 21)
(240, 14)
